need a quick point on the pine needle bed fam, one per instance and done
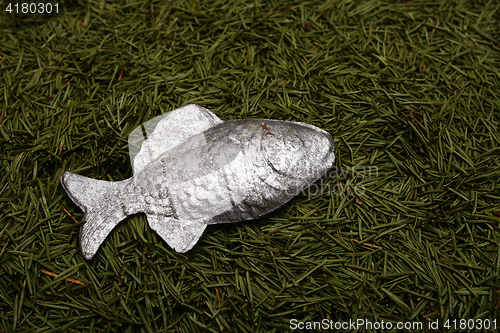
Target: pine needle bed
(404, 229)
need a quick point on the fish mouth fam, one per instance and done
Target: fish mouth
(328, 152)
(330, 155)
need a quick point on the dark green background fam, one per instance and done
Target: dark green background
(410, 89)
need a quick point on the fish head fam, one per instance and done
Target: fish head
(297, 150)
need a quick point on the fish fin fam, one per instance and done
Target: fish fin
(103, 209)
(167, 131)
(179, 235)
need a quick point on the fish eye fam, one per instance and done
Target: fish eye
(284, 153)
(292, 142)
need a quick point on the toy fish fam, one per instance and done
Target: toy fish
(195, 170)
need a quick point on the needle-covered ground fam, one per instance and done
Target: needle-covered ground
(404, 229)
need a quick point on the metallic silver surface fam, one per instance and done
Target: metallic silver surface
(194, 170)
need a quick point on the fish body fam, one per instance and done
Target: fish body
(196, 170)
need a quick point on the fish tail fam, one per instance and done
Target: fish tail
(102, 204)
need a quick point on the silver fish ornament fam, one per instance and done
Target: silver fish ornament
(195, 169)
